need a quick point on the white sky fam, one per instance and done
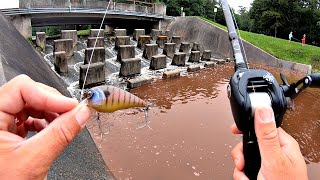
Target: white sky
(236, 3)
(233, 3)
(4, 4)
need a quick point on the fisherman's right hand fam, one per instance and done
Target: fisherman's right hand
(40, 108)
(280, 153)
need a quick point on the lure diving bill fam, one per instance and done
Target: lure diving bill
(108, 99)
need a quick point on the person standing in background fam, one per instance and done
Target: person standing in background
(304, 40)
(290, 36)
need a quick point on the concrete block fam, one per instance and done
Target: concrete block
(176, 40)
(95, 32)
(130, 67)
(196, 47)
(171, 74)
(155, 33)
(162, 40)
(121, 40)
(139, 81)
(168, 34)
(206, 56)
(229, 60)
(108, 29)
(70, 34)
(193, 68)
(98, 55)
(209, 64)
(194, 56)
(137, 33)
(120, 32)
(158, 62)
(126, 52)
(41, 40)
(60, 62)
(179, 59)
(143, 40)
(96, 74)
(184, 47)
(92, 40)
(218, 61)
(169, 49)
(64, 45)
(150, 50)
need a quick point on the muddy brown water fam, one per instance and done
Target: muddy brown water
(191, 136)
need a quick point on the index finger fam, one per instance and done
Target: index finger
(23, 90)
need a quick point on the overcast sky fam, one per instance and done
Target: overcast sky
(9, 4)
(236, 3)
(233, 3)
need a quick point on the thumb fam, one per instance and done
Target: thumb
(267, 134)
(47, 145)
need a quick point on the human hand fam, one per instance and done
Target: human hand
(280, 153)
(35, 107)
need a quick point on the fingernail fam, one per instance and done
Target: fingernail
(266, 114)
(82, 115)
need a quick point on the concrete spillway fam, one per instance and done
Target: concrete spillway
(81, 160)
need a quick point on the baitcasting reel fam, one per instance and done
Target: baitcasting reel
(249, 89)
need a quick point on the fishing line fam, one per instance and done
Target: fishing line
(241, 41)
(95, 43)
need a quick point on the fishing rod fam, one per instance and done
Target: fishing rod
(252, 88)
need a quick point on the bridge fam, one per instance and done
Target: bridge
(33, 13)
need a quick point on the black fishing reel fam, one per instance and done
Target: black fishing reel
(249, 89)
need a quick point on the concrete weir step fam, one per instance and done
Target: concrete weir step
(64, 45)
(41, 40)
(193, 68)
(137, 33)
(139, 81)
(184, 47)
(95, 32)
(179, 59)
(143, 40)
(158, 62)
(98, 55)
(120, 32)
(155, 33)
(121, 40)
(150, 50)
(210, 64)
(176, 40)
(60, 62)
(96, 74)
(206, 56)
(171, 74)
(92, 41)
(194, 56)
(130, 67)
(169, 49)
(70, 34)
(218, 61)
(126, 52)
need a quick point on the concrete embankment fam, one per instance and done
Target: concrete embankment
(192, 29)
(81, 160)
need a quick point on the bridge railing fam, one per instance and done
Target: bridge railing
(151, 8)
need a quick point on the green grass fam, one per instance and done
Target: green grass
(280, 48)
(84, 32)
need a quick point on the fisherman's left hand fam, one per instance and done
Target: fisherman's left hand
(26, 105)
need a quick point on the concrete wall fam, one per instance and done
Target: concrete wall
(155, 9)
(213, 38)
(81, 160)
(22, 24)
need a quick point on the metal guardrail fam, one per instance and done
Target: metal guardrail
(31, 11)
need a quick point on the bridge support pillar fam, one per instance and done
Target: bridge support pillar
(23, 24)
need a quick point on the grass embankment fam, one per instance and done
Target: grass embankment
(281, 48)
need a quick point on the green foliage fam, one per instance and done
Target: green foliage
(84, 32)
(280, 48)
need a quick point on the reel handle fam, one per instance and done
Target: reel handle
(251, 156)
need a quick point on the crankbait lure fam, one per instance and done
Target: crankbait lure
(108, 99)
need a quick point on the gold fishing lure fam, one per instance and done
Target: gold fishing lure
(108, 99)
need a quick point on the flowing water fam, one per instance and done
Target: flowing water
(191, 136)
(190, 121)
